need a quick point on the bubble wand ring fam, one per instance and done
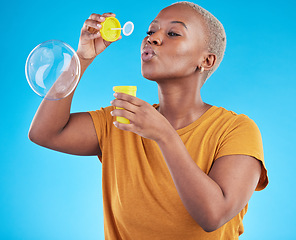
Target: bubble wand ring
(124, 28)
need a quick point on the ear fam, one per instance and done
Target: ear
(209, 61)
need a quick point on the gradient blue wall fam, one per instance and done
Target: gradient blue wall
(49, 195)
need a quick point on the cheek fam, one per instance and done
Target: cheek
(182, 59)
(182, 54)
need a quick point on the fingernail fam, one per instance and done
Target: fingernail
(99, 25)
(111, 113)
(115, 94)
(102, 18)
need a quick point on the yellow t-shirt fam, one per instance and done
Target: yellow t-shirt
(139, 196)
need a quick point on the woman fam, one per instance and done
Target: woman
(182, 169)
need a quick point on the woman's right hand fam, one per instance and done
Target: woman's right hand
(91, 43)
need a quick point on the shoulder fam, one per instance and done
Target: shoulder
(107, 109)
(232, 119)
(102, 121)
(238, 134)
(102, 114)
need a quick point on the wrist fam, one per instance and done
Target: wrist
(167, 135)
(84, 63)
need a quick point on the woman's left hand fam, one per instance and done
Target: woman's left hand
(145, 120)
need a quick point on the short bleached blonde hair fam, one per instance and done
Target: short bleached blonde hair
(216, 37)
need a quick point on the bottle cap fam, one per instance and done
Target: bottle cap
(131, 90)
(109, 34)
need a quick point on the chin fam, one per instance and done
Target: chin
(149, 77)
(152, 71)
(148, 72)
(152, 75)
(157, 73)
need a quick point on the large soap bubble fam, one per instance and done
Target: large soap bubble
(53, 69)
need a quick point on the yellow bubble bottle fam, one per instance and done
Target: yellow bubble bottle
(131, 90)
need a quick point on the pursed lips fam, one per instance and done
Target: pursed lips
(147, 53)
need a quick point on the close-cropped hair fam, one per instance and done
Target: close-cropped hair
(216, 36)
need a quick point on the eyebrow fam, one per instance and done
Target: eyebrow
(184, 25)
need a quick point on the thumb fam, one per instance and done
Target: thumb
(107, 43)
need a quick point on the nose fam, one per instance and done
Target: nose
(154, 39)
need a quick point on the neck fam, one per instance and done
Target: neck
(180, 101)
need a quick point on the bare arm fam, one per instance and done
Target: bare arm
(54, 126)
(212, 200)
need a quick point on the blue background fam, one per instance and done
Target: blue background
(50, 195)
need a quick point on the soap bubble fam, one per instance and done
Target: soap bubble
(53, 69)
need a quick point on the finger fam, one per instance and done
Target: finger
(123, 113)
(110, 14)
(93, 24)
(97, 17)
(123, 126)
(107, 43)
(101, 18)
(86, 35)
(89, 23)
(92, 30)
(124, 104)
(129, 98)
(118, 38)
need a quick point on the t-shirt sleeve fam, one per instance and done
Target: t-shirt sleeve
(101, 119)
(243, 137)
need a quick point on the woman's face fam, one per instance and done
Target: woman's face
(175, 44)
